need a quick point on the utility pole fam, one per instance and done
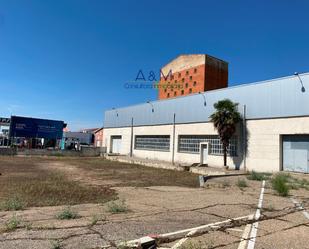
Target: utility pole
(173, 152)
(244, 137)
(131, 144)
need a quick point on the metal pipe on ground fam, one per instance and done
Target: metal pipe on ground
(203, 179)
(190, 232)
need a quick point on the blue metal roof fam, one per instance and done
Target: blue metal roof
(282, 97)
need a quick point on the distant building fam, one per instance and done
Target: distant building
(4, 126)
(35, 132)
(90, 130)
(188, 74)
(4, 131)
(98, 137)
(73, 140)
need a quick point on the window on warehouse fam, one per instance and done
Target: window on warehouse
(152, 142)
(191, 144)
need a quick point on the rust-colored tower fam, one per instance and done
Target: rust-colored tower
(192, 74)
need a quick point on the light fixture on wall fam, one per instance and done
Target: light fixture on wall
(203, 98)
(303, 89)
(152, 109)
(115, 111)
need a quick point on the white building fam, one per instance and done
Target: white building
(4, 131)
(274, 135)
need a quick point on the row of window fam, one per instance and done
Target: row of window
(186, 143)
(186, 86)
(187, 73)
(152, 143)
(191, 144)
(182, 92)
(182, 80)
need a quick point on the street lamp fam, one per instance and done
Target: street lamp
(203, 98)
(152, 109)
(301, 82)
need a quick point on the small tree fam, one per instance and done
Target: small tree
(225, 119)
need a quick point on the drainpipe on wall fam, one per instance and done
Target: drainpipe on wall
(173, 152)
(244, 138)
(131, 143)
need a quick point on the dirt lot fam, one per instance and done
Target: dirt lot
(112, 202)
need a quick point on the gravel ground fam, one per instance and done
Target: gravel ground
(152, 210)
(282, 226)
(158, 209)
(289, 231)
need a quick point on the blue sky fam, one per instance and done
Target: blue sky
(70, 60)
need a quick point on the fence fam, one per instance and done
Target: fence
(85, 151)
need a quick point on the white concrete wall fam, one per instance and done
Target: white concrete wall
(180, 158)
(263, 146)
(154, 130)
(125, 134)
(202, 129)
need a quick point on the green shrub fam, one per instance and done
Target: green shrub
(241, 183)
(294, 186)
(28, 226)
(286, 177)
(55, 244)
(67, 214)
(224, 184)
(296, 183)
(12, 204)
(58, 154)
(117, 207)
(280, 184)
(255, 176)
(12, 224)
(96, 218)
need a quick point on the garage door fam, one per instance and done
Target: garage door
(296, 153)
(116, 144)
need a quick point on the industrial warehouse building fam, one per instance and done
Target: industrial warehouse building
(274, 135)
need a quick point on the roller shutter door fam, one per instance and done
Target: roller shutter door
(116, 144)
(296, 153)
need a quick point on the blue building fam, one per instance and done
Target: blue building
(35, 132)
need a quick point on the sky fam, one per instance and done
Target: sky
(70, 60)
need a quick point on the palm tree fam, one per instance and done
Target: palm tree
(225, 119)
